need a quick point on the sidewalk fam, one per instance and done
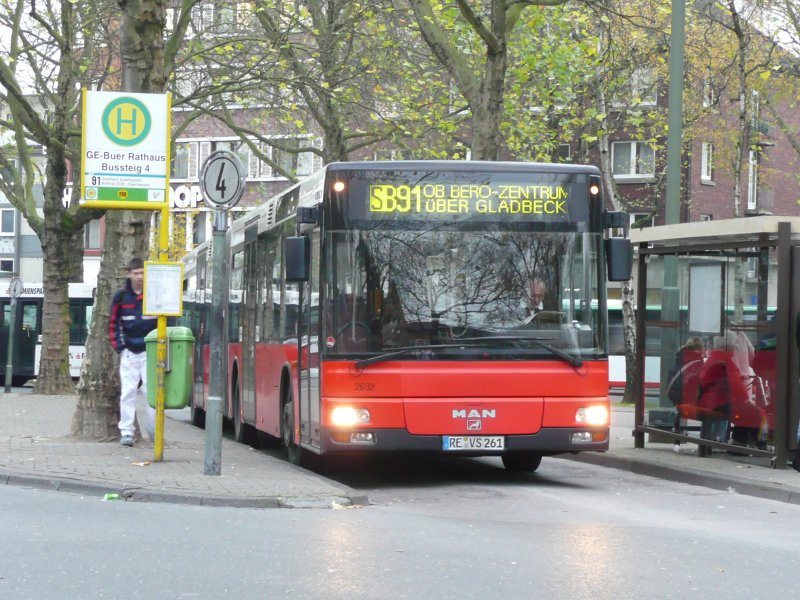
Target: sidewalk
(721, 471)
(35, 451)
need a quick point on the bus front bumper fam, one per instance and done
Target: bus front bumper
(547, 441)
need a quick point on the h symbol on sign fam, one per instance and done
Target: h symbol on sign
(131, 121)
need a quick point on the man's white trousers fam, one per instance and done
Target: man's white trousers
(132, 369)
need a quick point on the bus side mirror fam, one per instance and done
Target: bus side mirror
(297, 253)
(619, 258)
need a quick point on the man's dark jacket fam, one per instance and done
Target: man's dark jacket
(127, 326)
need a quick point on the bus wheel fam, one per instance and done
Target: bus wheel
(293, 451)
(198, 416)
(239, 427)
(522, 461)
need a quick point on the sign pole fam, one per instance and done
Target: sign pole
(15, 289)
(12, 321)
(222, 181)
(216, 368)
(161, 357)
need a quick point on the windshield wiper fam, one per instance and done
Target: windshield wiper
(360, 364)
(473, 342)
(573, 360)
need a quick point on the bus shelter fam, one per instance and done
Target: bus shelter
(717, 334)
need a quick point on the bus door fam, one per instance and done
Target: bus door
(248, 322)
(308, 333)
(26, 335)
(5, 307)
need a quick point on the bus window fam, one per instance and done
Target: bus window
(75, 323)
(80, 317)
(237, 278)
(30, 313)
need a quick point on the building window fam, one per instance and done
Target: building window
(707, 162)
(7, 221)
(184, 161)
(202, 16)
(639, 90)
(706, 217)
(388, 154)
(755, 108)
(638, 220)
(7, 265)
(564, 152)
(633, 160)
(299, 163)
(709, 94)
(91, 235)
(752, 181)
(238, 147)
(199, 229)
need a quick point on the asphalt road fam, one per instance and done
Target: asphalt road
(460, 529)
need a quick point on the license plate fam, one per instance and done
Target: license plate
(473, 442)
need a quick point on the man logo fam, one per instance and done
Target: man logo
(474, 413)
(473, 424)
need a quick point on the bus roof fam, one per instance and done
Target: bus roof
(461, 165)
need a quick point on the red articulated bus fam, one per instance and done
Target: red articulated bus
(389, 306)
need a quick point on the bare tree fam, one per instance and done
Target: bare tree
(39, 82)
(481, 81)
(145, 55)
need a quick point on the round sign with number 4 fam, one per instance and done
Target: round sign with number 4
(222, 179)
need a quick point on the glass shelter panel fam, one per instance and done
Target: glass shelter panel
(710, 340)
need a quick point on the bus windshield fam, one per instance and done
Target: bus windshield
(391, 288)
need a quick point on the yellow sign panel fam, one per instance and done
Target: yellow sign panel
(125, 150)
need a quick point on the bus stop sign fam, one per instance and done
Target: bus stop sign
(16, 287)
(222, 179)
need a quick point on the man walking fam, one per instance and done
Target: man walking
(127, 330)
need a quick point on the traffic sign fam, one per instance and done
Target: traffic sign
(16, 287)
(222, 179)
(125, 149)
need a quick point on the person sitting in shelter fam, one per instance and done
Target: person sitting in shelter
(683, 387)
(764, 385)
(747, 414)
(721, 386)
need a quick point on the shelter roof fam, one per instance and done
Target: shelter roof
(756, 230)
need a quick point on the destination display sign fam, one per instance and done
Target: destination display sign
(469, 198)
(556, 198)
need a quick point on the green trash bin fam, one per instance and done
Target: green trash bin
(180, 360)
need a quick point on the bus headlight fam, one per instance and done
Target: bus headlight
(592, 415)
(347, 416)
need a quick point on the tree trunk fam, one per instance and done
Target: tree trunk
(60, 235)
(127, 232)
(97, 412)
(612, 199)
(629, 338)
(59, 247)
(742, 139)
(488, 110)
